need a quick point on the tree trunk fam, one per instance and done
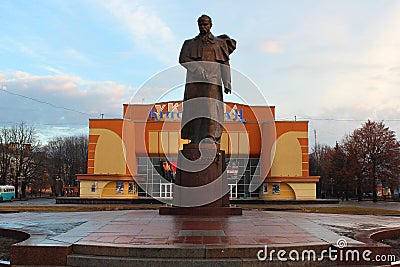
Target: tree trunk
(23, 189)
(374, 193)
(3, 179)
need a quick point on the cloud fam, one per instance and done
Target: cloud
(61, 101)
(272, 47)
(53, 70)
(147, 30)
(338, 67)
(333, 123)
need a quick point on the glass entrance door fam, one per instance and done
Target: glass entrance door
(166, 190)
(232, 191)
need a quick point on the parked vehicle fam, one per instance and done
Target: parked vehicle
(7, 192)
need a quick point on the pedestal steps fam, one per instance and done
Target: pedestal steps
(218, 256)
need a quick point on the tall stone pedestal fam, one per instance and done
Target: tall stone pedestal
(202, 167)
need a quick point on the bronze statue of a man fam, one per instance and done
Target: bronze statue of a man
(206, 59)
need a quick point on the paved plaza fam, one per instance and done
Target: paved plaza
(146, 228)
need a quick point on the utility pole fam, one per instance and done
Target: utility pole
(315, 139)
(316, 148)
(317, 159)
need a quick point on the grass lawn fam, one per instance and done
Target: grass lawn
(349, 210)
(328, 209)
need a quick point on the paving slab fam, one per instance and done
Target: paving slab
(132, 229)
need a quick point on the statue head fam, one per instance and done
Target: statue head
(205, 24)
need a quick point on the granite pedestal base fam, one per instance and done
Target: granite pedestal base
(201, 166)
(200, 211)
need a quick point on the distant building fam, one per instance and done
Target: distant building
(143, 146)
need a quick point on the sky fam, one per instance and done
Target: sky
(335, 63)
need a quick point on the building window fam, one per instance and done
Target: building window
(276, 188)
(265, 188)
(233, 191)
(166, 190)
(240, 172)
(120, 187)
(132, 188)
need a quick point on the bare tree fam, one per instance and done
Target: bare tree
(40, 179)
(24, 143)
(5, 156)
(317, 160)
(24, 162)
(67, 156)
(18, 145)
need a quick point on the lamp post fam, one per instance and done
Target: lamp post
(19, 186)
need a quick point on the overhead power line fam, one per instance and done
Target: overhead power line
(47, 103)
(2, 87)
(339, 119)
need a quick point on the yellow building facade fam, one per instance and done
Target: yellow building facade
(135, 157)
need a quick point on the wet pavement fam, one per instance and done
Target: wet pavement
(386, 205)
(5, 245)
(146, 228)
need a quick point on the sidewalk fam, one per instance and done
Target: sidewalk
(145, 228)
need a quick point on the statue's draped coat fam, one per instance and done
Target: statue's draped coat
(203, 109)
